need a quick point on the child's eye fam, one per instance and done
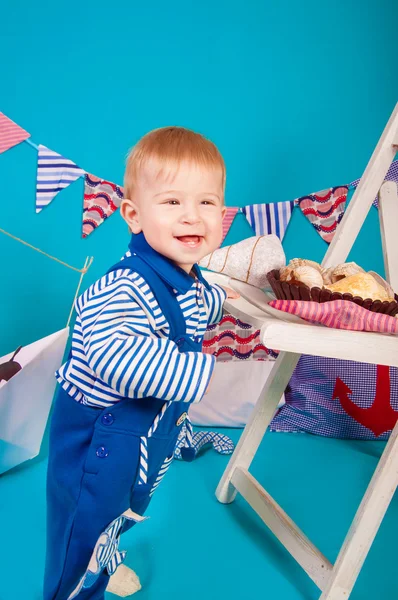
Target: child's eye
(208, 202)
(172, 201)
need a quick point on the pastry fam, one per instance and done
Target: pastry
(383, 283)
(362, 285)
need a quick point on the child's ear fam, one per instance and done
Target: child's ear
(130, 213)
(223, 211)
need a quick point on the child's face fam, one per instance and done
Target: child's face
(180, 215)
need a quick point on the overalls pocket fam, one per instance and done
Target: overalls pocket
(156, 457)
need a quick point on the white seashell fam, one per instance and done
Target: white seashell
(302, 262)
(249, 260)
(345, 270)
(327, 275)
(285, 273)
(307, 275)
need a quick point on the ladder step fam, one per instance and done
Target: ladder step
(314, 563)
(360, 346)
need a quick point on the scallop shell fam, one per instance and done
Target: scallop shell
(362, 285)
(345, 270)
(307, 275)
(303, 262)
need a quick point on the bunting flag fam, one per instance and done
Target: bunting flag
(54, 173)
(269, 218)
(230, 215)
(101, 199)
(11, 134)
(392, 175)
(325, 210)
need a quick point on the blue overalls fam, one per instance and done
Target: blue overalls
(105, 461)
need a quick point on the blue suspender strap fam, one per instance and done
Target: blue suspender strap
(161, 290)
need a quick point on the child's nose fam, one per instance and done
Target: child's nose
(191, 215)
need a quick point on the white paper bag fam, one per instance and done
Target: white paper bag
(25, 400)
(234, 390)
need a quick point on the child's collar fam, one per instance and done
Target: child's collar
(165, 268)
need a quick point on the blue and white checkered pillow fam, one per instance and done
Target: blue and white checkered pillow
(341, 399)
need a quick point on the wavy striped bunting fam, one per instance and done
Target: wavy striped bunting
(54, 173)
(269, 218)
(101, 199)
(230, 215)
(392, 175)
(11, 134)
(325, 209)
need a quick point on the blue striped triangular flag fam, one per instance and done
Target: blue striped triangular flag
(54, 173)
(269, 218)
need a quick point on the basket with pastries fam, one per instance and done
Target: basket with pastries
(305, 279)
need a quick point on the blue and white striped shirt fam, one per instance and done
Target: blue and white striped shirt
(120, 345)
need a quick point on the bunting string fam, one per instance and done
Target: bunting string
(84, 270)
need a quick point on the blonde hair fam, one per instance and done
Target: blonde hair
(167, 148)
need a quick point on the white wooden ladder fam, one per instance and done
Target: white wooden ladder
(295, 337)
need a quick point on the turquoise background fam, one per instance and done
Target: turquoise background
(295, 94)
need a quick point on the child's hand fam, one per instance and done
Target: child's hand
(231, 293)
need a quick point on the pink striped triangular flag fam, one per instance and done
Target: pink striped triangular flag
(230, 215)
(11, 134)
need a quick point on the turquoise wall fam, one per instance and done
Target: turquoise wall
(295, 94)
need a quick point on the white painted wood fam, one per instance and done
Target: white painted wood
(260, 299)
(246, 312)
(388, 214)
(366, 523)
(260, 418)
(361, 346)
(364, 195)
(295, 338)
(218, 278)
(315, 564)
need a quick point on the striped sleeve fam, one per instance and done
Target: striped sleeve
(214, 300)
(123, 352)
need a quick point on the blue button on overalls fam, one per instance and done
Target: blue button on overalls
(102, 452)
(107, 419)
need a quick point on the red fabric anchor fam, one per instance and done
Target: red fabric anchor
(380, 417)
